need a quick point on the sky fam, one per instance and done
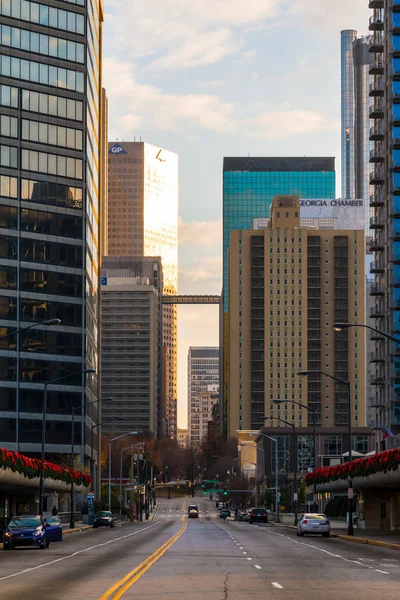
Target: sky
(214, 78)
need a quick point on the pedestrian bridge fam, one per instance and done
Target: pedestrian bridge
(181, 299)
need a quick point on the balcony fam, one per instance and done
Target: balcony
(376, 155)
(375, 336)
(376, 46)
(376, 223)
(376, 88)
(376, 200)
(376, 290)
(376, 357)
(376, 22)
(377, 312)
(376, 134)
(377, 267)
(376, 177)
(376, 4)
(377, 381)
(376, 67)
(375, 245)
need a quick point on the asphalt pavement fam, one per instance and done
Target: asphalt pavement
(191, 559)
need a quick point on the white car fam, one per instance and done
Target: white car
(314, 523)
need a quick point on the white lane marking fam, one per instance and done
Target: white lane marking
(52, 562)
(257, 566)
(240, 547)
(244, 552)
(277, 585)
(319, 549)
(384, 572)
(249, 558)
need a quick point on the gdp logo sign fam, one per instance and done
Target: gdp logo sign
(117, 149)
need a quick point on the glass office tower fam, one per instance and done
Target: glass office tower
(249, 185)
(384, 25)
(355, 122)
(51, 155)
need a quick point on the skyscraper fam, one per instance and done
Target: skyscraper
(203, 371)
(51, 106)
(122, 353)
(143, 221)
(385, 177)
(355, 143)
(288, 285)
(249, 185)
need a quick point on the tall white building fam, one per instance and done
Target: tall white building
(203, 371)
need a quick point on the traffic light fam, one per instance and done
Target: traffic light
(205, 492)
(225, 491)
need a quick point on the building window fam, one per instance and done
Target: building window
(42, 73)
(53, 164)
(9, 157)
(45, 15)
(333, 445)
(9, 96)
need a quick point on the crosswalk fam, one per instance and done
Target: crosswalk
(169, 513)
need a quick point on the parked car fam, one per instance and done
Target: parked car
(31, 531)
(258, 515)
(225, 512)
(193, 511)
(314, 523)
(103, 517)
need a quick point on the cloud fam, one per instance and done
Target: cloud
(200, 233)
(206, 271)
(212, 83)
(181, 34)
(278, 124)
(319, 13)
(246, 58)
(143, 105)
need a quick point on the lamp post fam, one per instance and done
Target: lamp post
(250, 463)
(120, 477)
(109, 461)
(46, 384)
(92, 436)
(342, 326)
(312, 410)
(294, 459)
(276, 470)
(71, 517)
(350, 527)
(49, 323)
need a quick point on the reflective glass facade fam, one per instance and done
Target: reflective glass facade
(50, 127)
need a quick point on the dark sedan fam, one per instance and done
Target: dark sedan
(31, 531)
(103, 518)
(225, 513)
(258, 515)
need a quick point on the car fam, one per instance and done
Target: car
(220, 506)
(258, 515)
(103, 517)
(225, 512)
(243, 516)
(193, 511)
(316, 523)
(31, 531)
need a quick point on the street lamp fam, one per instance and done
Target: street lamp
(342, 326)
(92, 436)
(294, 454)
(48, 323)
(350, 528)
(276, 469)
(71, 519)
(120, 476)
(46, 384)
(314, 434)
(109, 461)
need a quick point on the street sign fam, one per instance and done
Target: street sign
(135, 457)
(278, 496)
(350, 493)
(104, 281)
(295, 497)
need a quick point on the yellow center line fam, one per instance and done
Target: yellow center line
(117, 590)
(184, 504)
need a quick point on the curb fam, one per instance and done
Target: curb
(357, 540)
(77, 529)
(154, 513)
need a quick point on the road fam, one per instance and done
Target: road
(207, 559)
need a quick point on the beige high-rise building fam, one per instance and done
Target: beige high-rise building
(288, 285)
(183, 438)
(143, 221)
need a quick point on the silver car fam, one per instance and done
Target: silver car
(314, 523)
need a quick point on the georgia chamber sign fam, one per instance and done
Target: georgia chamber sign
(117, 149)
